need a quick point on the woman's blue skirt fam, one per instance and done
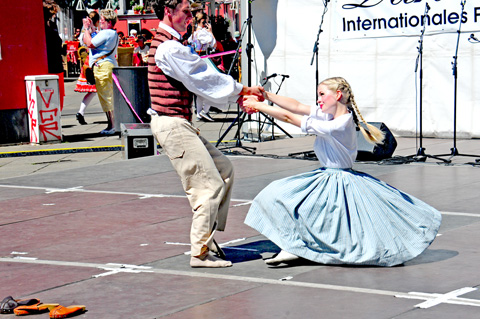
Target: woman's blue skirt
(340, 216)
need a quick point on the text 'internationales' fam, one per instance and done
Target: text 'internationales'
(404, 21)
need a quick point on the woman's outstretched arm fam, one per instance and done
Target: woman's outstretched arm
(251, 104)
(288, 103)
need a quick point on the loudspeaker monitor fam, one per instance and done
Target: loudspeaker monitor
(373, 152)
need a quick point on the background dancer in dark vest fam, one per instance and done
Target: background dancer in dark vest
(174, 75)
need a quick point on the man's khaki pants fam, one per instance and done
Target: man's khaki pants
(206, 175)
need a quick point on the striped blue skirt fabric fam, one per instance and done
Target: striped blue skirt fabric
(341, 216)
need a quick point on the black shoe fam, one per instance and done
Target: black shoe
(108, 131)
(81, 119)
(215, 110)
(204, 115)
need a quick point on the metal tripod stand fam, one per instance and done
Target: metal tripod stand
(454, 151)
(271, 120)
(240, 119)
(421, 156)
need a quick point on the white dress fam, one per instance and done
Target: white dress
(335, 215)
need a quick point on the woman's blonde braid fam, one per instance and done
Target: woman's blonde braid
(370, 132)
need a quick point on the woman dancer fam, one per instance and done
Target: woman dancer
(335, 215)
(83, 86)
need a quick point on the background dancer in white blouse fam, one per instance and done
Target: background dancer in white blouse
(203, 42)
(202, 38)
(335, 215)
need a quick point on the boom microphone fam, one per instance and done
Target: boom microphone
(270, 76)
(473, 39)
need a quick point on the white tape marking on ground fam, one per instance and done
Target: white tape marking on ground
(113, 269)
(243, 204)
(142, 196)
(233, 241)
(175, 243)
(238, 248)
(286, 278)
(63, 190)
(221, 245)
(25, 258)
(447, 298)
(203, 275)
(461, 214)
(50, 190)
(453, 301)
(128, 266)
(224, 245)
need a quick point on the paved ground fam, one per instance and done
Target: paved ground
(92, 228)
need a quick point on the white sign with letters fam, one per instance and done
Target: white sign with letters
(387, 18)
(374, 44)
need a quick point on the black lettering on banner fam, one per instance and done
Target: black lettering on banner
(453, 18)
(373, 3)
(402, 20)
(363, 4)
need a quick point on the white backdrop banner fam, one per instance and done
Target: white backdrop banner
(387, 18)
(381, 64)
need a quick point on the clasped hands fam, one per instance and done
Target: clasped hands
(87, 23)
(251, 96)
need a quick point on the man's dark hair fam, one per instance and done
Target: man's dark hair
(159, 6)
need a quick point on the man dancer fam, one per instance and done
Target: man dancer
(174, 75)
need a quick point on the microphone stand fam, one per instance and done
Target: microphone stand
(272, 120)
(311, 154)
(454, 151)
(315, 50)
(239, 118)
(421, 156)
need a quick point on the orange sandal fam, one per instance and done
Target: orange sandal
(65, 312)
(34, 309)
